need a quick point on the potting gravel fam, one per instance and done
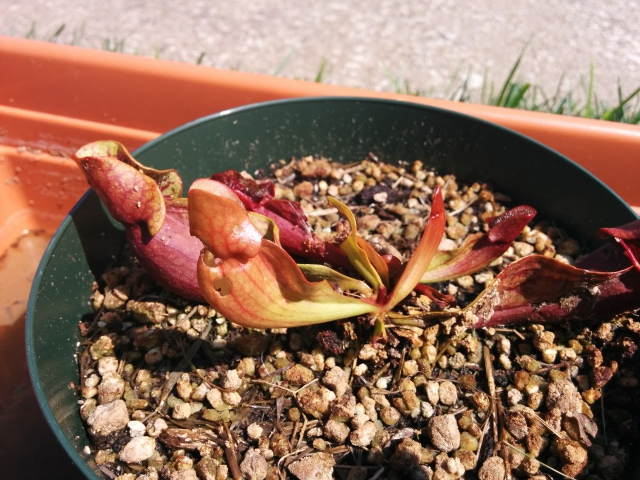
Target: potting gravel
(169, 389)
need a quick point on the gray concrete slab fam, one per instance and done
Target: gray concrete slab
(432, 45)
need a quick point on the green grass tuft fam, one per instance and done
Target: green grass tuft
(514, 93)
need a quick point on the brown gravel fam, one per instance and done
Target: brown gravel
(172, 390)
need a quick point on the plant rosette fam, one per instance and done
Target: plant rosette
(248, 274)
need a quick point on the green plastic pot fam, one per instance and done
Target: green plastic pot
(252, 137)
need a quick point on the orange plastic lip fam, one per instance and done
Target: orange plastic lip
(57, 98)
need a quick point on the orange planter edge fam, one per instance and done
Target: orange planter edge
(55, 98)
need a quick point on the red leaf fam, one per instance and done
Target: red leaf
(270, 291)
(130, 196)
(423, 254)
(442, 300)
(505, 228)
(247, 189)
(148, 203)
(229, 232)
(480, 249)
(256, 283)
(171, 255)
(622, 293)
(296, 235)
(538, 289)
(628, 236)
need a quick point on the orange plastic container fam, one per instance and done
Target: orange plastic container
(54, 99)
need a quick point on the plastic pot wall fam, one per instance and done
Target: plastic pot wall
(251, 138)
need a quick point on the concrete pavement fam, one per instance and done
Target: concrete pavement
(433, 46)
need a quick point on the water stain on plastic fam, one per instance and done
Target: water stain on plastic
(29, 447)
(17, 269)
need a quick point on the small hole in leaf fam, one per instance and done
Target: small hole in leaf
(222, 286)
(210, 260)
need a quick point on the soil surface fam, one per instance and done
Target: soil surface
(382, 44)
(168, 386)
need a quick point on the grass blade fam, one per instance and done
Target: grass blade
(500, 101)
